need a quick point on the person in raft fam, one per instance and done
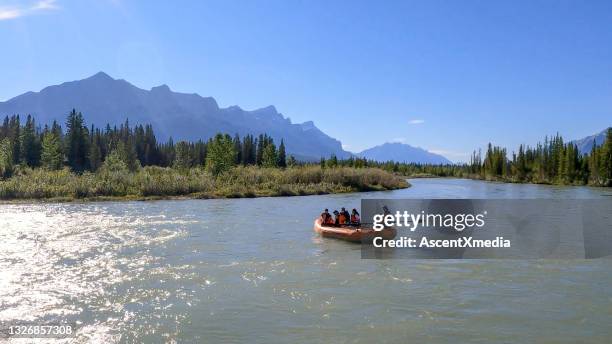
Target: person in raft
(326, 218)
(347, 216)
(355, 219)
(341, 218)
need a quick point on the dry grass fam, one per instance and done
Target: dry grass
(157, 182)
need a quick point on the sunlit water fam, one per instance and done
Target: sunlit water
(252, 270)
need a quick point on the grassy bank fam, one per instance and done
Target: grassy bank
(158, 183)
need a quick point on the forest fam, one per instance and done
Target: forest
(88, 162)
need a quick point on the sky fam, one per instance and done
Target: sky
(447, 76)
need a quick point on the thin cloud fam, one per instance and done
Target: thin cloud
(416, 121)
(45, 5)
(398, 140)
(7, 13)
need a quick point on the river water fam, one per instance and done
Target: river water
(252, 270)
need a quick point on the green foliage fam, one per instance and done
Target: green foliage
(52, 156)
(114, 163)
(220, 156)
(30, 145)
(331, 162)
(127, 154)
(282, 155)
(76, 141)
(6, 158)
(182, 159)
(270, 158)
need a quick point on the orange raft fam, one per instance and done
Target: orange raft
(353, 234)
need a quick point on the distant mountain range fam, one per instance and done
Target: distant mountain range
(585, 145)
(182, 116)
(189, 116)
(400, 152)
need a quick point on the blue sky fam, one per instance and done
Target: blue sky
(448, 76)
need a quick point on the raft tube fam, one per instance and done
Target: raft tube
(352, 233)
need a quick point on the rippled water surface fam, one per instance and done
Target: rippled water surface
(252, 270)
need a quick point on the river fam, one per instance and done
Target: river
(252, 270)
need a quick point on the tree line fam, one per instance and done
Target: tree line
(551, 162)
(83, 148)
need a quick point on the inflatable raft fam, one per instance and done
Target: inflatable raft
(351, 233)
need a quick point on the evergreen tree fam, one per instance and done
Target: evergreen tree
(52, 156)
(95, 154)
(282, 155)
(237, 150)
(30, 148)
(127, 154)
(15, 138)
(269, 158)
(182, 159)
(260, 148)
(6, 158)
(332, 161)
(76, 142)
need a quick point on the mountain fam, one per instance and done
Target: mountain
(182, 116)
(586, 144)
(402, 153)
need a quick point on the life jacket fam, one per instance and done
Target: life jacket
(327, 219)
(342, 219)
(355, 218)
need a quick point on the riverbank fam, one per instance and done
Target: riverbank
(153, 183)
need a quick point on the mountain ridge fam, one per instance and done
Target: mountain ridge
(585, 144)
(401, 152)
(182, 116)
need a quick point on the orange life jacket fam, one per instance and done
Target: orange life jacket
(342, 219)
(327, 219)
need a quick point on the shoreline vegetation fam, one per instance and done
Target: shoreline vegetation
(153, 182)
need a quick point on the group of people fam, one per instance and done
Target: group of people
(340, 218)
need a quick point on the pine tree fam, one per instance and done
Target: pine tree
(237, 150)
(6, 158)
(95, 154)
(182, 159)
(269, 158)
(282, 155)
(52, 156)
(127, 154)
(30, 149)
(76, 142)
(260, 148)
(15, 138)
